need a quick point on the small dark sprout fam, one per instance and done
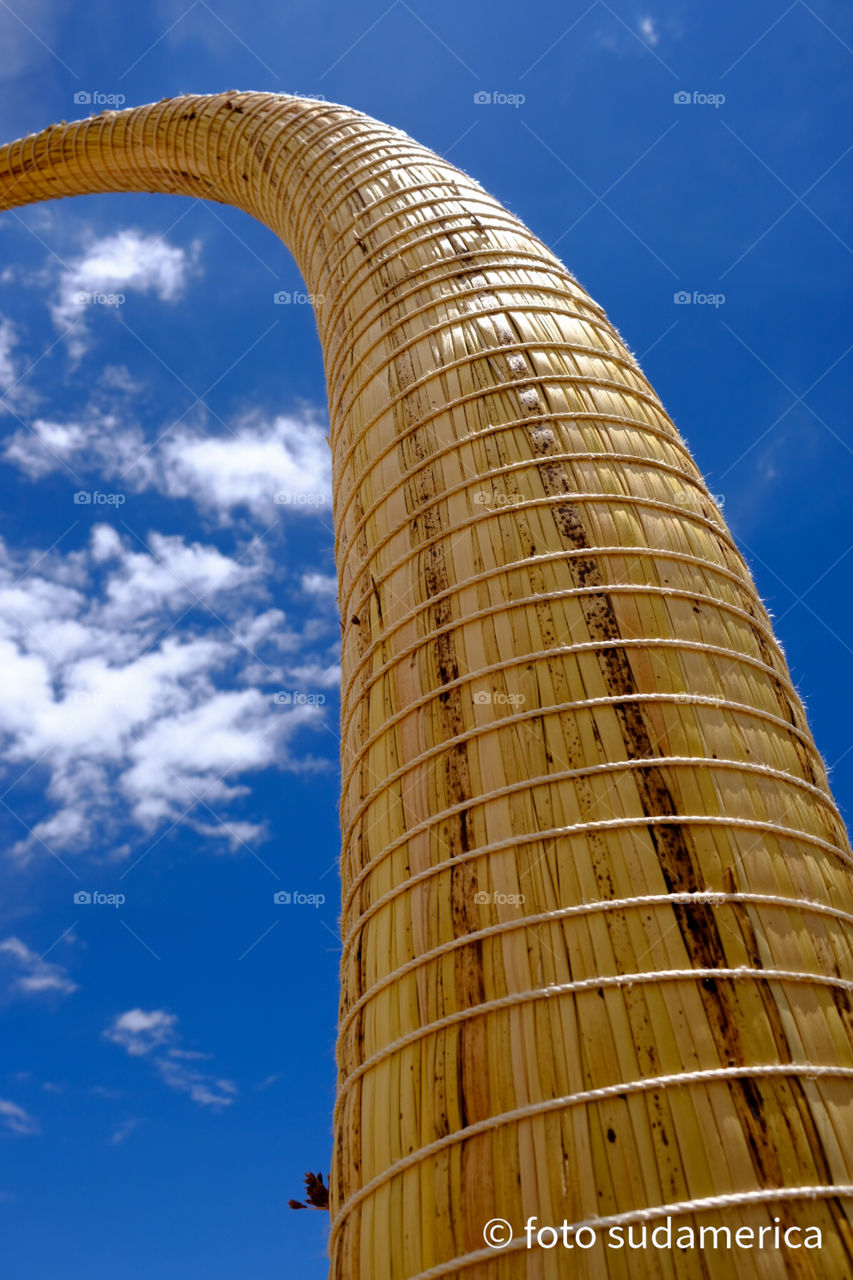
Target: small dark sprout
(316, 1193)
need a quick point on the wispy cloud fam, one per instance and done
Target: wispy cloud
(110, 266)
(154, 1034)
(623, 39)
(267, 467)
(16, 1120)
(122, 1131)
(15, 396)
(8, 339)
(206, 1090)
(284, 462)
(30, 974)
(648, 30)
(320, 584)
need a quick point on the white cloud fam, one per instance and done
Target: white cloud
(239, 835)
(132, 717)
(139, 1031)
(44, 446)
(183, 758)
(16, 1119)
(15, 397)
(268, 1081)
(270, 468)
(154, 1033)
(164, 574)
(623, 41)
(206, 1090)
(8, 339)
(123, 1130)
(314, 675)
(320, 584)
(283, 463)
(31, 975)
(126, 260)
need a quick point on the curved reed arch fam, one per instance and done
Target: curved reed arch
(598, 909)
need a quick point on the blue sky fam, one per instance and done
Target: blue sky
(167, 1064)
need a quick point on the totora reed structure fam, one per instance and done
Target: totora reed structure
(597, 912)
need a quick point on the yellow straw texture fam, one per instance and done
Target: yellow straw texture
(597, 910)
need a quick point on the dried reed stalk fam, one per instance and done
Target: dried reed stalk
(597, 912)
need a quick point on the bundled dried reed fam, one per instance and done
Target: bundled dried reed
(597, 912)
